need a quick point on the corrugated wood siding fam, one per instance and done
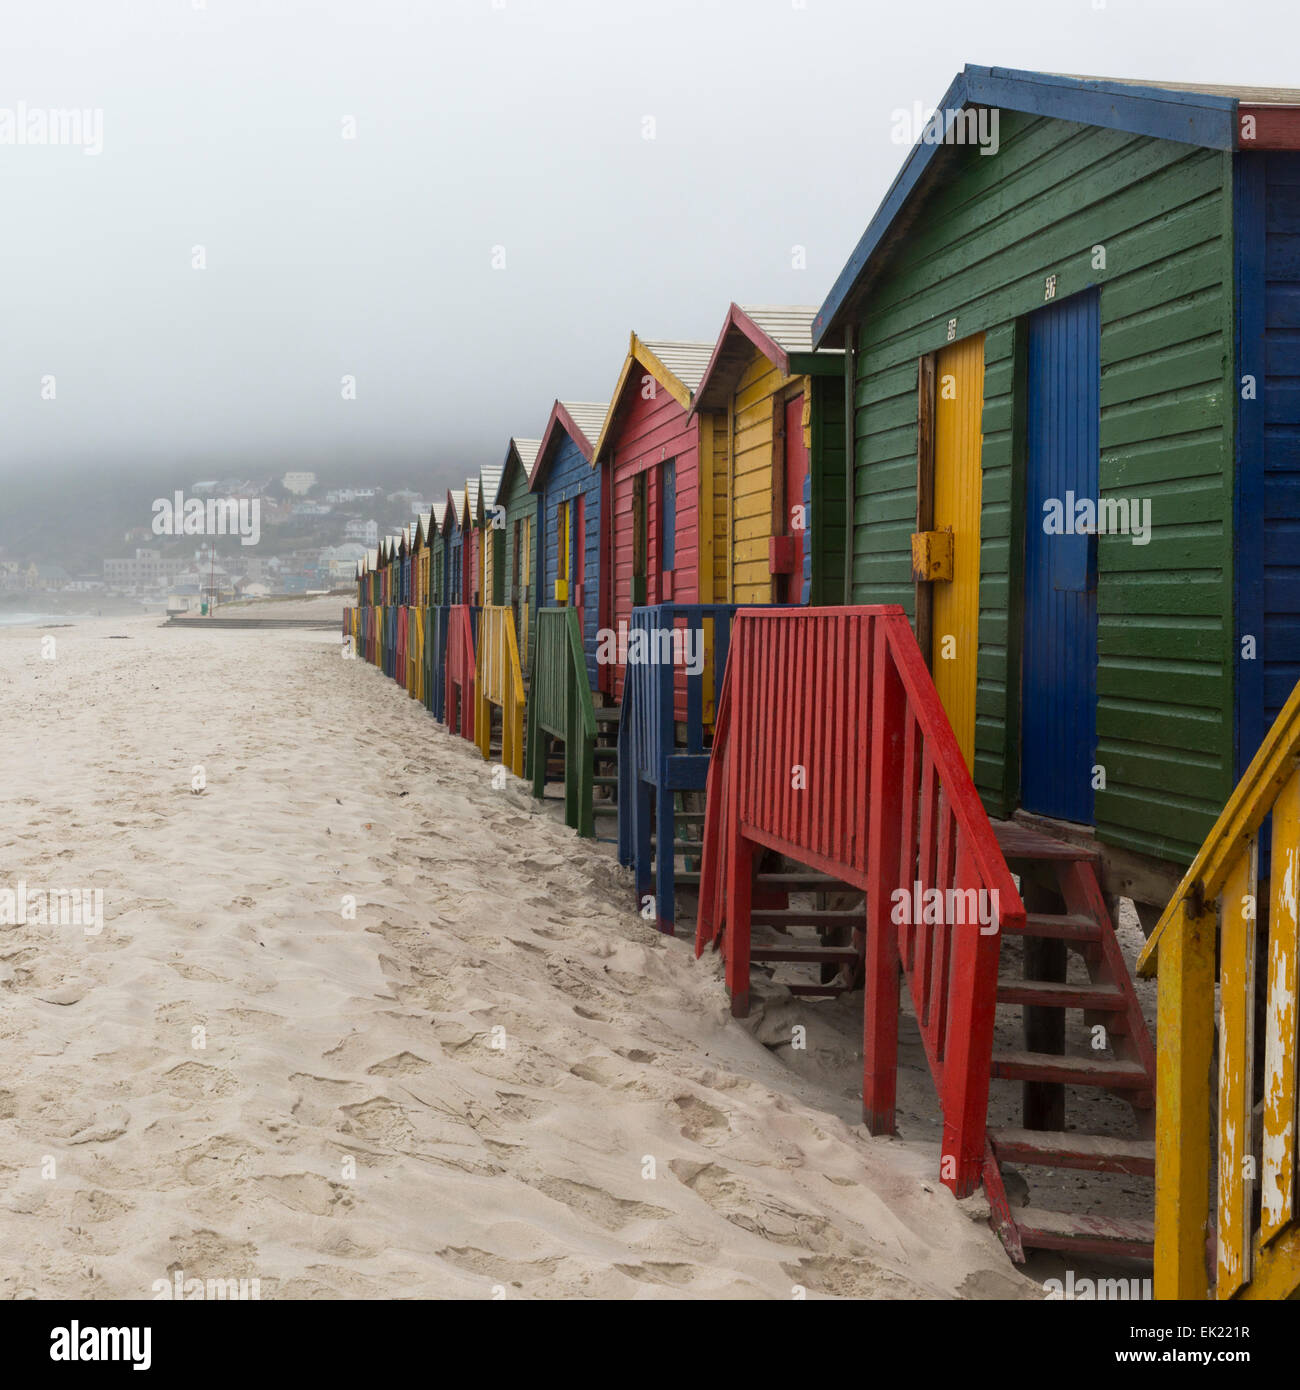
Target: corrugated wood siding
(568, 476)
(980, 252)
(649, 432)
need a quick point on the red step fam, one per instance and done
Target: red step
(1063, 926)
(1051, 994)
(1079, 1231)
(810, 955)
(1071, 1071)
(1095, 1153)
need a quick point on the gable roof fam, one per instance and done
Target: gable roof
(677, 366)
(1189, 113)
(455, 510)
(579, 421)
(489, 486)
(782, 334)
(524, 452)
(439, 514)
(471, 502)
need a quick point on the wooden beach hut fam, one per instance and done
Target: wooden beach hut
(777, 465)
(567, 485)
(437, 586)
(518, 512)
(659, 541)
(490, 521)
(454, 525)
(475, 541)
(1074, 444)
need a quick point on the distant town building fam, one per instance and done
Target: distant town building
(146, 570)
(366, 532)
(298, 483)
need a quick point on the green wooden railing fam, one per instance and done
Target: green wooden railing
(560, 707)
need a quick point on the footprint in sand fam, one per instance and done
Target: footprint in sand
(755, 1211)
(613, 1213)
(309, 1192)
(198, 1081)
(702, 1122)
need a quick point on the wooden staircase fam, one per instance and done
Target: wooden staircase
(1066, 916)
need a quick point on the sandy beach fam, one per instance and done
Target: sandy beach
(489, 1079)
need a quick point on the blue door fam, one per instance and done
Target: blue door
(1058, 718)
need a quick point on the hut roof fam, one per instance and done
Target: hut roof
(490, 481)
(677, 366)
(438, 515)
(782, 334)
(580, 421)
(1192, 113)
(456, 508)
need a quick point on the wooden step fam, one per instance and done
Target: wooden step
(1095, 1153)
(1054, 995)
(824, 991)
(607, 714)
(1072, 1071)
(1067, 1230)
(804, 917)
(604, 781)
(788, 883)
(1018, 841)
(1062, 926)
(811, 955)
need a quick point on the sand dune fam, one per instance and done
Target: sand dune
(494, 1081)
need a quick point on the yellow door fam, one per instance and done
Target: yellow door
(958, 411)
(562, 555)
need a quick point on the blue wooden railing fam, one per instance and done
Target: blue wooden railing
(657, 750)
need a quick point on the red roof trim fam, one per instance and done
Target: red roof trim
(1275, 127)
(737, 318)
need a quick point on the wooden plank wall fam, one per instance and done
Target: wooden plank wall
(648, 432)
(979, 252)
(568, 476)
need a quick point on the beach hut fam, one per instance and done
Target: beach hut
(777, 465)
(475, 541)
(659, 541)
(490, 521)
(517, 511)
(567, 485)
(454, 528)
(1074, 460)
(437, 585)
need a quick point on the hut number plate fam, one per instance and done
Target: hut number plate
(1049, 287)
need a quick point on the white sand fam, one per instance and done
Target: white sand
(369, 1041)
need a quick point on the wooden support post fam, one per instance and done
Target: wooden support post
(889, 800)
(1185, 1048)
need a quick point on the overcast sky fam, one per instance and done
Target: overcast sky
(479, 124)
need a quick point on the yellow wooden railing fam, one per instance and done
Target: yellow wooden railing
(1252, 1254)
(498, 680)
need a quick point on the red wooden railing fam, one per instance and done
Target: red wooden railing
(460, 670)
(832, 748)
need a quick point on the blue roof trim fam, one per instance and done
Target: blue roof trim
(1195, 118)
(1191, 118)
